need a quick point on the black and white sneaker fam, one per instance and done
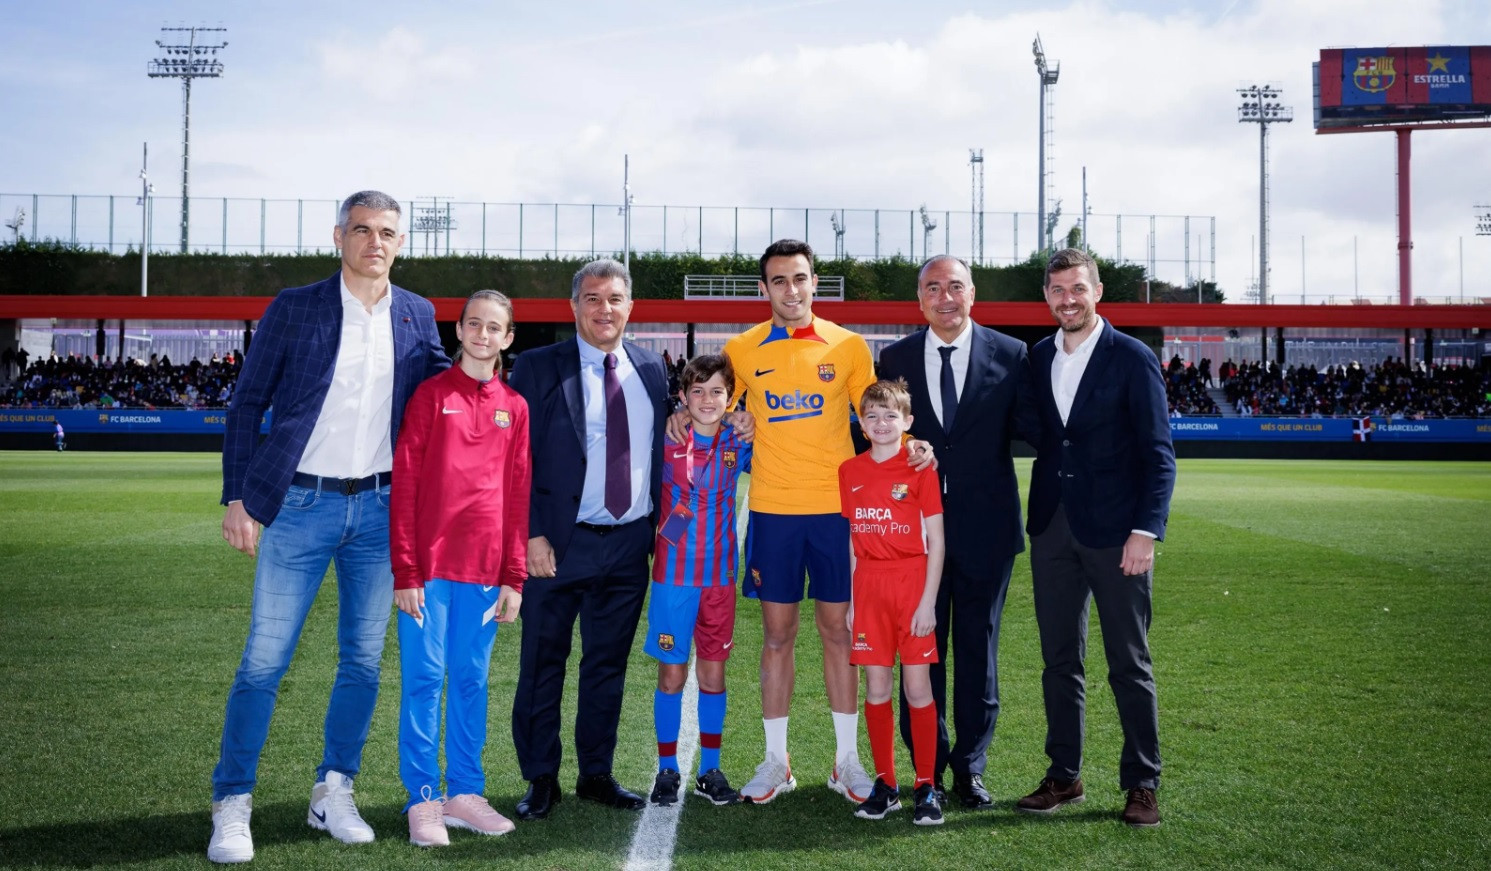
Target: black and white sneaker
(665, 790)
(927, 810)
(883, 799)
(713, 786)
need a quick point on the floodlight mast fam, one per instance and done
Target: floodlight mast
(192, 59)
(1049, 73)
(976, 205)
(1260, 105)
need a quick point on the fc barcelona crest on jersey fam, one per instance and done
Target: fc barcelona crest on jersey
(728, 458)
(825, 371)
(899, 491)
(502, 418)
(664, 641)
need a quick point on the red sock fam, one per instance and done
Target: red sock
(924, 742)
(880, 723)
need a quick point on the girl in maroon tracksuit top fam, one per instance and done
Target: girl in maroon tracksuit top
(458, 529)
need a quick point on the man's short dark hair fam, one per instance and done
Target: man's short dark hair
(787, 248)
(1071, 258)
(378, 201)
(703, 367)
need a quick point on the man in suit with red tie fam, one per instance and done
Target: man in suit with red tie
(967, 387)
(596, 408)
(1099, 499)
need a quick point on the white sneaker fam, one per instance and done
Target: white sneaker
(773, 777)
(851, 780)
(332, 810)
(231, 841)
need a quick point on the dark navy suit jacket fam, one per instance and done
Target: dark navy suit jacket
(289, 368)
(980, 494)
(1112, 465)
(549, 379)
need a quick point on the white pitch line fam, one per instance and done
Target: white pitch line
(652, 845)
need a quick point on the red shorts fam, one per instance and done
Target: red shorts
(886, 593)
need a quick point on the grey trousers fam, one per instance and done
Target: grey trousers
(1066, 576)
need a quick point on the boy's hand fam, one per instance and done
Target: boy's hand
(919, 455)
(509, 601)
(540, 558)
(677, 427)
(411, 601)
(744, 425)
(923, 621)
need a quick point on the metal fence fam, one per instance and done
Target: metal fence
(1174, 248)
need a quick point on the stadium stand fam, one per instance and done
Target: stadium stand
(1390, 389)
(81, 382)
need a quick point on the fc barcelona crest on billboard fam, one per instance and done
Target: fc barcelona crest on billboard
(1374, 74)
(1372, 87)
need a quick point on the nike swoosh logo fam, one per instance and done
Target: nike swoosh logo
(856, 489)
(927, 654)
(726, 645)
(486, 588)
(760, 372)
(450, 411)
(680, 456)
(321, 816)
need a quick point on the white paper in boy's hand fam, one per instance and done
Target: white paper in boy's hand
(419, 618)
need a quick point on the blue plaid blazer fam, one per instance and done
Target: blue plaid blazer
(289, 368)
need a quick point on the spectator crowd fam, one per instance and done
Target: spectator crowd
(82, 382)
(1392, 389)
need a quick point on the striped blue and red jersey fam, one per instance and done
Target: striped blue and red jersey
(706, 554)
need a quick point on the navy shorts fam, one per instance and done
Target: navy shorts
(781, 548)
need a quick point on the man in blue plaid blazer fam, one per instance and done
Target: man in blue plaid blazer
(336, 361)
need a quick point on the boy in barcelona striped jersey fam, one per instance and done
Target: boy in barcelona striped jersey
(693, 574)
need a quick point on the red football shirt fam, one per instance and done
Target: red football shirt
(885, 503)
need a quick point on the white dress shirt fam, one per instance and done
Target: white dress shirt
(640, 420)
(1067, 369)
(932, 358)
(352, 437)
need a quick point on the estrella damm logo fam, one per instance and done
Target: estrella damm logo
(728, 458)
(825, 372)
(502, 418)
(1374, 74)
(899, 491)
(798, 403)
(665, 641)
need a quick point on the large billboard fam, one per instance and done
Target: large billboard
(1357, 87)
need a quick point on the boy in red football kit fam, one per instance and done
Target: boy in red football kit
(458, 530)
(895, 532)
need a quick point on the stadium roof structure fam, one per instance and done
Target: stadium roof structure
(747, 311)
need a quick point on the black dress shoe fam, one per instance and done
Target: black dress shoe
(970, 791)
(604, 789)
(543, 793)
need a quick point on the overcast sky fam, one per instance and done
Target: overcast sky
(854, 105)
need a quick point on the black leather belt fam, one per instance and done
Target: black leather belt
(602, 529)
(345, 486)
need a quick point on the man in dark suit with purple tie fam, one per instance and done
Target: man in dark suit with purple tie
(967, 385)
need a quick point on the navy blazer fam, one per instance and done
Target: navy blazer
(1112, 465)
(289, 368)
(549, 379)
(980, 494)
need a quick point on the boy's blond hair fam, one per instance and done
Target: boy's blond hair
(884, 393)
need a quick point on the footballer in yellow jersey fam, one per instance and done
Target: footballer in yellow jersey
(798, 384)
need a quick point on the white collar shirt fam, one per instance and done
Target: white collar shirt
(353, 434)
(1067, 369)
(640, 420)
(932, 359)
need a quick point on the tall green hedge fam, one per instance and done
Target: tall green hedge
(56, 269)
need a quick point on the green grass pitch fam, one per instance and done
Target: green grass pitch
(1320, 640)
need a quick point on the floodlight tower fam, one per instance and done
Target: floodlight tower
(1483, 220)
(1049, 73)
(839, 230)
(192, 59)
(15, 224)
(626, 210)
(976, 207)
(929, 224)
(1260, 105)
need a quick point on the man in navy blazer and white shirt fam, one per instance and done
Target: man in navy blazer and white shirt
(596, 409)
(984, 376)
(1099, 500)
(336, 361)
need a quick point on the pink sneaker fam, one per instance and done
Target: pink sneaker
(426, 829)
(473, 813)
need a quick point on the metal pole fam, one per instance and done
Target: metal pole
(1405, 221)
(225, 225)
(111, 223)
(186, 151)
(520, 231)
(626, 209)
(145, 221)
(1263, 214)
(1356, 284)
(261, 224)
(1085, 247)
(1040, 215)
(1301, 270)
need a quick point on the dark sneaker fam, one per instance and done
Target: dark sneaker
(712, 785)
(665, 790)
(1142, 811)
(883, 799)
(927, 809)
(1050, 795)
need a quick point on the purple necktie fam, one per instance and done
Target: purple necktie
(618, 445)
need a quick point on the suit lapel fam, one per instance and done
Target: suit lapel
(984, 372)
(1096, 365)
(328, 336)
(574, 391)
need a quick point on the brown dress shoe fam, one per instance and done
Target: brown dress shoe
(1052, 794)
(1142, 810)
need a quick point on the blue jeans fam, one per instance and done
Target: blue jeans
(313, 529)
